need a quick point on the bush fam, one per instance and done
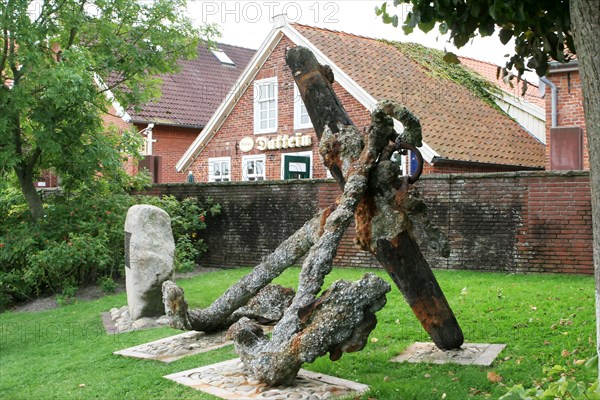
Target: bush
(81, 239)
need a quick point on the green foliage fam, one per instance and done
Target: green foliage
(107, 284)
(81, 239)
(541, 29)
(188, 218)
(57, 63)
(558, 384)
(67, 296)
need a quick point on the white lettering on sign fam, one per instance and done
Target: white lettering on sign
(283, 142)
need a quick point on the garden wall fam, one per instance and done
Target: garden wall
(512, 221)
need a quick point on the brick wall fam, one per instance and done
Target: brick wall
(521, 222)
(255, 217)
(569, 110)
(513, 221)
(171, 143)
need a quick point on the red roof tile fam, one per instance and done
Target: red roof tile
(191, 96)
(456, 124)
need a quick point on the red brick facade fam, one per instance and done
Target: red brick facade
(170, 143)
(569, 111)
(240, 124)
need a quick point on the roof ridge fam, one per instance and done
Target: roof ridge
(335, 31)
(235, 45)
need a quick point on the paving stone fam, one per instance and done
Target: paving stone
(175, 347)
(469, 354)
(241, 385)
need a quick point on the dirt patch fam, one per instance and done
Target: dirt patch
(89, 293)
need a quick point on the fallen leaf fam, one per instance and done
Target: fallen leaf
(82, 385)
(374, 340)
(426, 376)
(565, 353)
(579, 362)
(493, 377)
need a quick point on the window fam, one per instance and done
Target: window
(265, 105)
(301, 118)
(219, 169)
(253, 168)
(296, 165)
(222, 57)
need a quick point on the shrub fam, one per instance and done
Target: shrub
(107, 284)
(81, 239)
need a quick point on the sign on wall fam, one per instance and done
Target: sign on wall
(278, 142)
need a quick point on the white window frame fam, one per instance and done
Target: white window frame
(211, 176)
(258, 101)
(299, 111)
(308, 154)
(255, 176)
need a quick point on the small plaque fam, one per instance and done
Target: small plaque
(246, 144)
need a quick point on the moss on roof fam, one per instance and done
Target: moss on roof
(433, 62)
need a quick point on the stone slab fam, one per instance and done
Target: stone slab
(230, 380)
(469, 354)
(175, 347)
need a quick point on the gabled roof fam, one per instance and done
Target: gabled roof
(457, 125)
(191, 96)
(489, 71)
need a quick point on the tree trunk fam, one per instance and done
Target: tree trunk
(25, 177)
(585, 20)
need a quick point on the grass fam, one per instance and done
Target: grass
(544, 320)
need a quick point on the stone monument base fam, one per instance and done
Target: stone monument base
(469, 354)
(230, 380)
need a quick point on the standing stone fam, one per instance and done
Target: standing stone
(149, 256)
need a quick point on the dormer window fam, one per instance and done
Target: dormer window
(222, 57)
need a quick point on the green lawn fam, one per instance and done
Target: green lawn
(544, 320)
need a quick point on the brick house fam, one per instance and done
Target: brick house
(565, 122)
(189, 98)
(262, 132)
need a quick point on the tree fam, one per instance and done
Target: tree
(543, 30)
(58, 62)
